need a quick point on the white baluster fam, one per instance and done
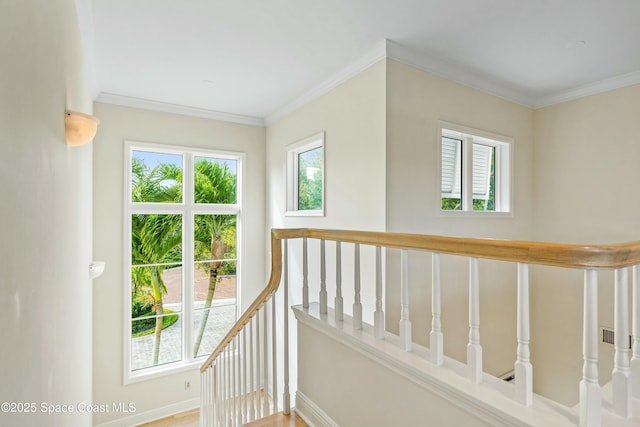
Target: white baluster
(229, 406)
(620, 376)
(204, 380)
(252, 387)
(474, 349)
(635, 359)
(305, 275)
(323, 278)
(339, 310)
(259, 414)
(523, 369)
(378, 315)
(243, 377)
(436, 338)
(265, 370)
(286, 399)
(357, 305)
(590, 393)
(234, 378)
(405, 321)
(274, 358)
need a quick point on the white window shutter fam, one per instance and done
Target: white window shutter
(451, 168)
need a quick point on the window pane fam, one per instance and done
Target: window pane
(451, 174)
(215, 180)
(156, 340)
(152, 285)
(310, 172)
(156, 289)
(215, 280)
(483, 177)
(156, 177)
(156, 239)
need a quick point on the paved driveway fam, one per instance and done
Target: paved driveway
(222, 316)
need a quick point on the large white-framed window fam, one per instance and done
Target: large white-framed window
(183, 223)
(305, 177)
(475, 171)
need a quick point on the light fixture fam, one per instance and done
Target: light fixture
(96, 268)
(79, 128)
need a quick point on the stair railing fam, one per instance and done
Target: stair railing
(239, 385)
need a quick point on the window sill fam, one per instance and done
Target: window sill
(315, 213)
(162, 371)
(475, 214)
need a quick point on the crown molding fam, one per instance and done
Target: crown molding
(165, 107)
(457, 74)
(606, 85)
(387, 49)
(372, 57)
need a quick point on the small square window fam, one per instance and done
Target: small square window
(474, 171)
(305, 177)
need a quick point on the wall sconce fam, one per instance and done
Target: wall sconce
(79, 128)
(96, 268)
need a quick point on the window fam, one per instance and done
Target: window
(182, 265)
(305, 177)
(474, 171)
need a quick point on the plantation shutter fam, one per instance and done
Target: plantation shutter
(451, 167)
(481, 170)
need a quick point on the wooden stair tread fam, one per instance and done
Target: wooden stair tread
(278, 420)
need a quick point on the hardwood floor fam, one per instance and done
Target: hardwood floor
(192, 419)
(278, 420)
(183, 419)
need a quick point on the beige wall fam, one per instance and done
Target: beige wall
(416, 102)
(586, 184)
(352, 116)
(353, 119)
(356, 391)
(45, 188)
(117, 125)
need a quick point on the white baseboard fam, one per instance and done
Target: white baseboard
(152, 415)
(311, 413)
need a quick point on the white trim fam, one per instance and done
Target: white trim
(291, 191)
(491, 402)
(375, 55)
(459, 74)
(311, 413)
(589, 89)
(187, 209)
(165, 107)
(504, 155)
(154, 414)
(387, 49)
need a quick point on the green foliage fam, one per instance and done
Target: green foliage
(157, 238)
(310, 170)
(141, 304)
(140, 328)
(449, 204)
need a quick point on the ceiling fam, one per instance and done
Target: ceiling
(254, 59)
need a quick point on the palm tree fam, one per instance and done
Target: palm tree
(156, 239)
(214, 183)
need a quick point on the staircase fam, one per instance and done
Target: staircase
(353, 369)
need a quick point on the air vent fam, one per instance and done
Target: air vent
(608, 336)
(509, 377)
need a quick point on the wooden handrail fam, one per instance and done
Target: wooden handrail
(554, 254)
(590, 257)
